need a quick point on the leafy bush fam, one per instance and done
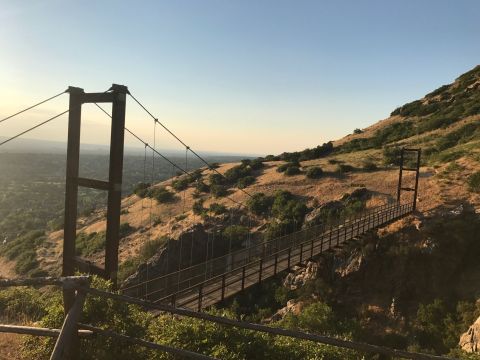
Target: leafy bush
(218, 190)
(141, 189)
(161, 194)
(198, 208)
(245, 181)
(292, 170)
(100, 312)
(285, 207)
(216, 179)
(22, 304)
(284, 167)
(202, 187)
(233, 174)
(217, 208)
(23, 250)
(461, 135)
(260, 204)
(317, 318)
(357, 131)
(181, 184)
(314, 172)
(474, 182)
(88, 244)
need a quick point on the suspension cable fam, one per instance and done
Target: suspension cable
(33, 106)
(33, 128)
(167, 159)
(179, 140)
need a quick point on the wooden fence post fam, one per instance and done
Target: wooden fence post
(67, 343)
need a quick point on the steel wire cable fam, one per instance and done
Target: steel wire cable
(33, 127)
(183, 143)
(33, 106)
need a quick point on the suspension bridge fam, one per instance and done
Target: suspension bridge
(190, 289)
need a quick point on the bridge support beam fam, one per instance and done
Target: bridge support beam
(117, 97)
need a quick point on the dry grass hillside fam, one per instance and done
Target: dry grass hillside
(445, 124)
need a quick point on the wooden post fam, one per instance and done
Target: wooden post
(115, 181)
(330, 238)
(260, 271)
(275, 264)
(200, 295)
(71, 191)
(417, 175)
(223, 287)
(243, 278)
(66, 346)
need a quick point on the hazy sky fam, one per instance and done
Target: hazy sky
(233, 76)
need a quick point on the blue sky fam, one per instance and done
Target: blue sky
(233, 76)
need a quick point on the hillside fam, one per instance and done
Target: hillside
(413, 284)
(445, 124)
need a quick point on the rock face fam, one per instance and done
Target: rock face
(301, 275)
(470, 340)
(190, 248)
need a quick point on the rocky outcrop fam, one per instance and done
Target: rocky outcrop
(293, 306)
(301, 275)
(470, 340)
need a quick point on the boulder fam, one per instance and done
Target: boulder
(470, 340)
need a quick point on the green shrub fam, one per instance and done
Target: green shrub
(88, 244)
(474, 182)
(260, 204)
(24, 304)
(181, 184)
(314, 172)
(141, 189)
(198, 208)
(284, 167)
(217, 208)
(242, 183)
(218, 191)
(161, 194)
(292, 170)
(233, 174)
(357, 131)
(202, 187)
(287, 207)
(216, 179)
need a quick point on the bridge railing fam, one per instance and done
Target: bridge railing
(217, 287)
(302, 241)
